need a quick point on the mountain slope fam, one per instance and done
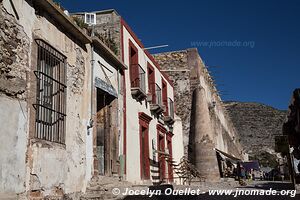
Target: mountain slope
(257, 124)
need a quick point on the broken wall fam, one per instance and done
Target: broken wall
(14, 69)
(107, 28)
(28, 165)
(206, 125)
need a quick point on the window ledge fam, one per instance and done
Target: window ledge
(40, 143)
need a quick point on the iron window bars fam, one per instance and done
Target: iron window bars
(51, 94)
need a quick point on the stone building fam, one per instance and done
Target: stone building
(150, 128)
(76, 105)
(59, 92)
(208, 132)
(289, 143)
(106, 108)
(45, 70)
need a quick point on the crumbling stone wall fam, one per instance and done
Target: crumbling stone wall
(205, 121)
(29, 166)
(14, 67)
(107, 28)
(76, 73)
(175, 65)
(14, 51)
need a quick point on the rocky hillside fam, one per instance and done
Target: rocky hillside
(257, 124)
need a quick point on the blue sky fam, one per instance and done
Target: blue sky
(265, 65)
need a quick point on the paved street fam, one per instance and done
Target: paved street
(278, 186)
(207, 197)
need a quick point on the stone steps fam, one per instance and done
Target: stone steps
(101, 188)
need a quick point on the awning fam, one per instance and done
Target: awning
(251, 165)
(228, 156)
(99, 83)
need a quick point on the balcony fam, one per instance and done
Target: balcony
(169, 117)
(156, 102)
(138, 84)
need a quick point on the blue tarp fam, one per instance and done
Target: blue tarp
(251, 165)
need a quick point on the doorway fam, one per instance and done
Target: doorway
(144, 153)
(106, 137)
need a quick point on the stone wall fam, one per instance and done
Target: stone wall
(107, 28)
(14, 68)
(175, 65)
(13, 56)
(32, 167)
(206, 125)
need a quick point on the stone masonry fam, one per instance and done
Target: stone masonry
(206, 125)
(13, 56)
(175, 65)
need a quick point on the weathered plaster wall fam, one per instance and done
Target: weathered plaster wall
(110, 74)
(47, 168)
(14, 68)
(71, 158)
(13, 122)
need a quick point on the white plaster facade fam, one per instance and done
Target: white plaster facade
(134, 108)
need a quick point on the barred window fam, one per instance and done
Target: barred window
(51, 94)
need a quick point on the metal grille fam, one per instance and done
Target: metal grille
(157, 95)
(139, 81)
(51, 94)
(171, 108)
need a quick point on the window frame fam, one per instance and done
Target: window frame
(86, 17)
(50, 114)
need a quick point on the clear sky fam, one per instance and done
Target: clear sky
(251, 46)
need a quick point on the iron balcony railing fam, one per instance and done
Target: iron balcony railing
(139, 80)
(157, 97)
(171, 108)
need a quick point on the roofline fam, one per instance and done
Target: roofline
(97, 11)
(107, 52)
(168, 52)
(178, 51)
(64, 20)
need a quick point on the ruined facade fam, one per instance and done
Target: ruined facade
(107, 106)
(73, 110)
(43, 66)
(106, 26)
(149, 128)
(53, 80)
(207, 129)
